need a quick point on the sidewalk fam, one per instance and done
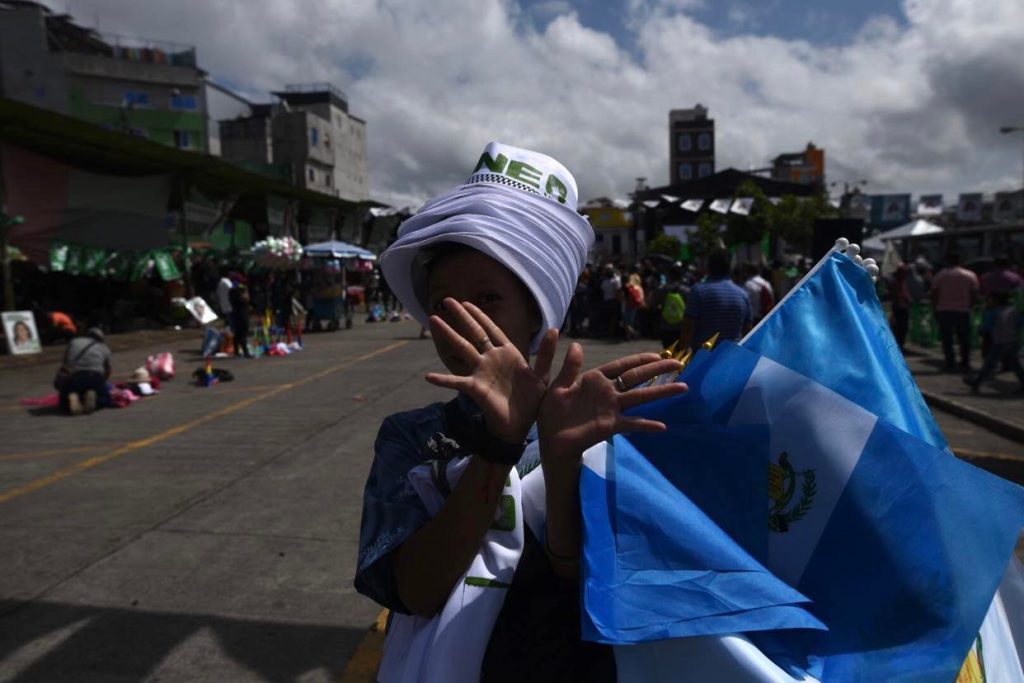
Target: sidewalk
(998, 407)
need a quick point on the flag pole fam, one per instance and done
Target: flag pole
(817, 266)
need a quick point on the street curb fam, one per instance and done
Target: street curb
(1010, 430)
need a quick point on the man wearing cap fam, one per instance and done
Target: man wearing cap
(471, 521)
(84, 372)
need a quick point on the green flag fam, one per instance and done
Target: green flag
(165, 266)
(58, 257)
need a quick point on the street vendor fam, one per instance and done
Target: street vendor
(471, 521)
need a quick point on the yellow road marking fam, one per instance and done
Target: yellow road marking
(362, 667)
(65, 472)
(56, 451)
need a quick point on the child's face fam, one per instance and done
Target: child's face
(477, 278)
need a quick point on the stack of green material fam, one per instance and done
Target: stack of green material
(117, 265)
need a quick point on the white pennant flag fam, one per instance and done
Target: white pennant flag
(720, 205)
(693, 204)
(743, 205)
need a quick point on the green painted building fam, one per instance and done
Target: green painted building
(146, 88)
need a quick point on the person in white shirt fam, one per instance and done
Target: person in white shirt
(759, 291)
(224, 286)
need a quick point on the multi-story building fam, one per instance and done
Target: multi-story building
(309, 133)
(691, 144)
(806, 167)
(221, 103)
(145, 88)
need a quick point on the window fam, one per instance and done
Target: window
(704, 141)
(685, 171)
(327, 179)
(314, 136)
(685, 142)
(182, 139)
(616, 244)
(327, 140)
(312, 175)
(704, 170)
(184, 102)
(135, 98)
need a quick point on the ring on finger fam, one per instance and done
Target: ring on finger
(484, 344)
(620, 384)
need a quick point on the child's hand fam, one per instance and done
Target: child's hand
(497, 377)
(579, 411)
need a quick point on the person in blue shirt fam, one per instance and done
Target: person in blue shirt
(466, 266)
(715, 306)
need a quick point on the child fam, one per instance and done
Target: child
(471, 520)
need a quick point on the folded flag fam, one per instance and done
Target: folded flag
(863, 523)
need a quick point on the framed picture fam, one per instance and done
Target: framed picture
(20, 332)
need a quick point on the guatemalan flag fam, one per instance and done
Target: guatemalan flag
(802, 518)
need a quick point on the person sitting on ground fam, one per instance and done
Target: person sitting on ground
(88, 367)
(470, 536)
(715, 306)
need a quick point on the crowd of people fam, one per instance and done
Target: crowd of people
(964, 306)
(677, 303)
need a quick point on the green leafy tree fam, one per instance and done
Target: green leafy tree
(751, 228)
(708, 235)
(668, 245)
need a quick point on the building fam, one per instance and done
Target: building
(309, 134)
(612, 222)
(806, 167)
(221, 103)
(146, 88)
(691, 144)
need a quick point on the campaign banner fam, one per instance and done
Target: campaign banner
(929, 205)
(1007, 206)
(969, 207)
(890, 209)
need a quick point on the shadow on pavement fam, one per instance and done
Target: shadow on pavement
(46, 411)
(93, 644)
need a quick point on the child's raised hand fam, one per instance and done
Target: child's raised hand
(579, 411)
(491, 370)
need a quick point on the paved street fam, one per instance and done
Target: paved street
(211, 533)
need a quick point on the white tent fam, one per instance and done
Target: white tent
(911, 229)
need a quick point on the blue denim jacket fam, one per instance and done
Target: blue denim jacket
(392, 510)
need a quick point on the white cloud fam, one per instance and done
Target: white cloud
(911, 107)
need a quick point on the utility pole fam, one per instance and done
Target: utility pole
(641, 185)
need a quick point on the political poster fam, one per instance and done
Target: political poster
(20, 332)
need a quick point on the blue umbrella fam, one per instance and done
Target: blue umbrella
(340, 250)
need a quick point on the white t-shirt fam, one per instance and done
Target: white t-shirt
(753, 286)
(224, 295)
(610, 288)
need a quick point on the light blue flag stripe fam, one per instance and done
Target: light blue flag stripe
(832, 329)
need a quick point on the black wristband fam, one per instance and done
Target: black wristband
(470, 431)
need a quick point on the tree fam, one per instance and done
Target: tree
(669, 245)
(751, 228)
(708, 235)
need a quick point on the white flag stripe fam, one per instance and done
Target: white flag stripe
(722, 659)
(818, 430)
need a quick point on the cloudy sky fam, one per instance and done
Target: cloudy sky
(906, 95)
